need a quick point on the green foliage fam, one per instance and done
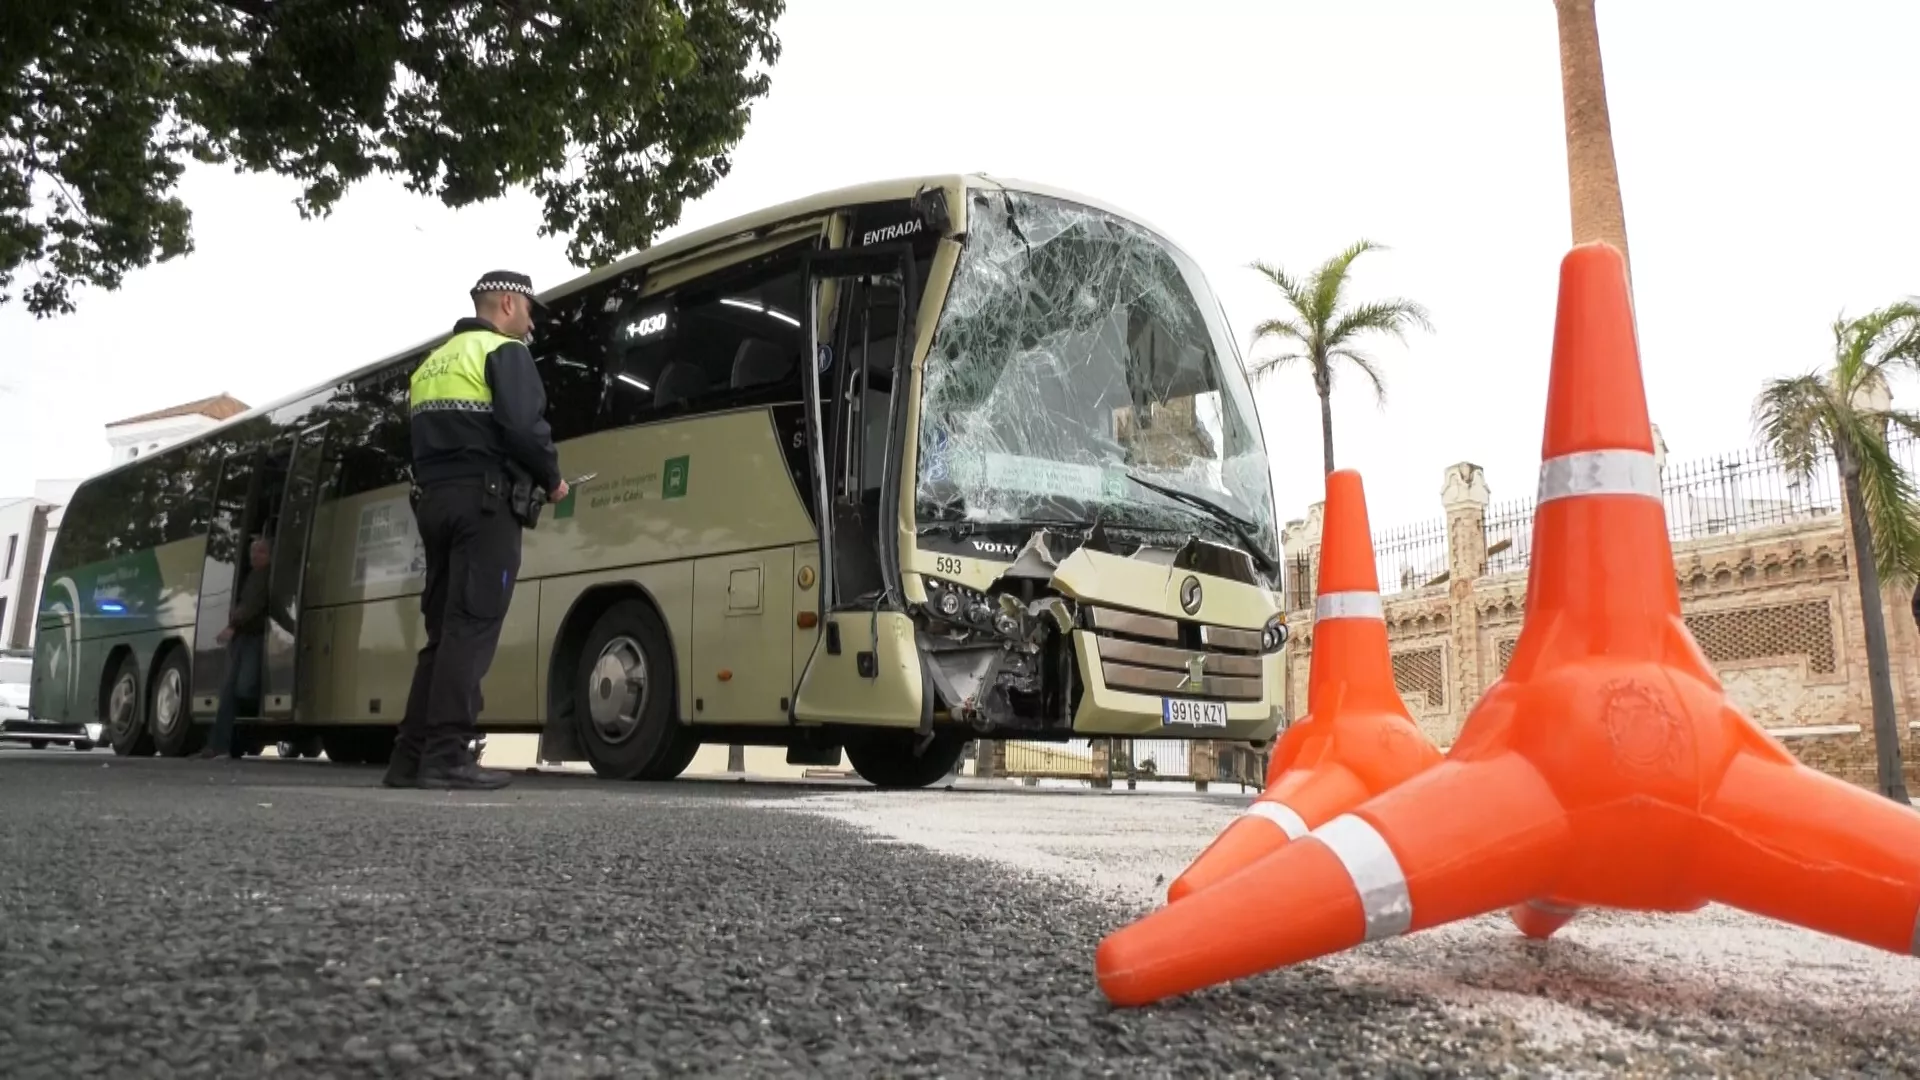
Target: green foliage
(1804, 418)
(613, 112)
(1323, 332)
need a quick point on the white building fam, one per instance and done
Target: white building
(148, 432)
(28, 524)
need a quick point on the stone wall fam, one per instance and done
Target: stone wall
(1775, 608)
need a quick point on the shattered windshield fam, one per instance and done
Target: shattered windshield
(1075, 349)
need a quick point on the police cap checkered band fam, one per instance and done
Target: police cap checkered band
(505, 281)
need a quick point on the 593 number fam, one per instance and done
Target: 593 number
(946, 564)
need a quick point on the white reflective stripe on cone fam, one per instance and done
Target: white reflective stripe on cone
(1551, 908)
(1599, 472)
(1348, 605)
(1916, 934)
(1376, 874)
(1282, 815)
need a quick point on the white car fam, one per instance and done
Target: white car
(16, 725)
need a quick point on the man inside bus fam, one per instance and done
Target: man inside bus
(244, 634)
(477, 425)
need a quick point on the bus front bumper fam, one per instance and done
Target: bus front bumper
(1108, 711)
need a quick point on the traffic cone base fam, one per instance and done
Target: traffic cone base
(1357, 738)
(1605, 768)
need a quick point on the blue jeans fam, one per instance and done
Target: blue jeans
(243, 677)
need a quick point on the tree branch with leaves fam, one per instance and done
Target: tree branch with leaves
(615, 114)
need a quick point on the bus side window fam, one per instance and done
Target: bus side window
(571, 354)
(731, 341)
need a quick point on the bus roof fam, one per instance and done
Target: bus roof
(818, 203)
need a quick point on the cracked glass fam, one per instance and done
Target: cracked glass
(1080, 363)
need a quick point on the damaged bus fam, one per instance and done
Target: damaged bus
(876, 472)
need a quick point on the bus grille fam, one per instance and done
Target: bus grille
(1151, 654)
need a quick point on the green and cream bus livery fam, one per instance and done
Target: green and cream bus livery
(882, 471)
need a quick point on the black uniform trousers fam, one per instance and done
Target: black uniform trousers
(473, 558)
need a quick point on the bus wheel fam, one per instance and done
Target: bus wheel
(120, 712)
(674, 759)
(887, 759)
(624, 694)
(171, 711)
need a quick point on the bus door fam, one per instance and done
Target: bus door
(291, 532)
(854, 420)
(865, 667)
(244, 497)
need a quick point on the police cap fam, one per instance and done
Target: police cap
(506, 281)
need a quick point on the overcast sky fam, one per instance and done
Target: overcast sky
(1765, 150)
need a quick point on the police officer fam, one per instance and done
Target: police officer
(480, 446)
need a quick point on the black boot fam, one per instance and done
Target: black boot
(403, 768)
(459, 771)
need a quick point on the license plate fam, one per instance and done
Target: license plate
(1193, 713)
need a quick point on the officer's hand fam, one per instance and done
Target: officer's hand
(558, 493)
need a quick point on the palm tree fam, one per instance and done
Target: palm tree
(1806, 417)
(1321, 331)
(1593, 180)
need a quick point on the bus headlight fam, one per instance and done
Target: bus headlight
(1274, 634)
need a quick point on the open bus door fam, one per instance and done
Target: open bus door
(865, 668)
(279, 666)
(244, 496)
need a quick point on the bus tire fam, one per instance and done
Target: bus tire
(120, 711)
(673, 761)
(887, 759)
(626, 696)
(170, 709)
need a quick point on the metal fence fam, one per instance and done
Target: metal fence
(1407, 558)
(1107, 762)
(1411, 557)
(1716, 496)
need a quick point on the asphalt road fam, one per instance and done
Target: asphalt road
(292, 919)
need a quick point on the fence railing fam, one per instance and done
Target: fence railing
(1716, 496)
(1104, 762)
(1411, 557)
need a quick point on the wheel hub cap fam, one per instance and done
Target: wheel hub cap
(617, 690)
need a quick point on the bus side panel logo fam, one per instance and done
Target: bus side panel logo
(673, 480)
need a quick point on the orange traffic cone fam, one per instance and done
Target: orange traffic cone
(1357, 738)
(1606, 767)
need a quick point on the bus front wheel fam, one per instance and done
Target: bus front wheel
(624, 695)
(888, 760)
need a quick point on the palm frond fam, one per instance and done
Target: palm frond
(1329, 282)
(1279, 328)
(1892, 506)
(1262, 366)
(1367, 368)
(1793, 417)
(1298, 294)
(1386, 316)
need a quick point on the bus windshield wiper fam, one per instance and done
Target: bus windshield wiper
(1239, 526)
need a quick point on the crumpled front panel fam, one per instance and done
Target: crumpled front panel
(1075, 348)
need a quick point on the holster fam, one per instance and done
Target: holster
(523, 499)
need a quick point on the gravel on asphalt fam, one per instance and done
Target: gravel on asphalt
(291, 919)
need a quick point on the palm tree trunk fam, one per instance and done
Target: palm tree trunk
(1326, 419)
(1593, 179)
(1886, 728)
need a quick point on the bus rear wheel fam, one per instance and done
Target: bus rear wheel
(888, 759)
(624, 697)
(172, 710)
(120, 711)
